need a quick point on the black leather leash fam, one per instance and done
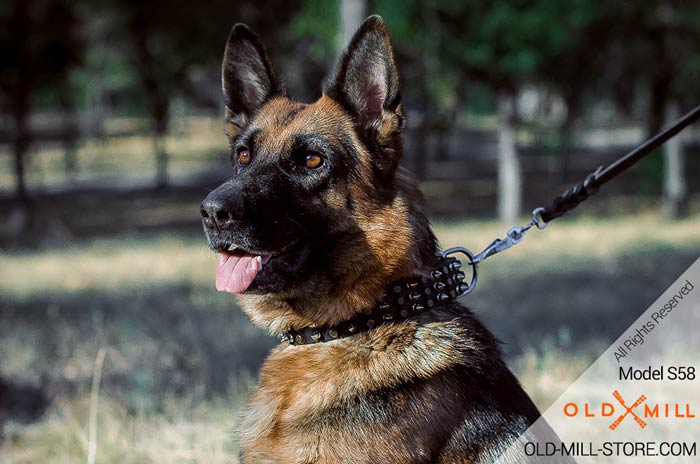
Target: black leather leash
(409, 297)
(581, 191)
(575, 195)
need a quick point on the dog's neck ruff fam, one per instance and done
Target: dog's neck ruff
(401, 300)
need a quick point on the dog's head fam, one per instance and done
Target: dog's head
(317, 218)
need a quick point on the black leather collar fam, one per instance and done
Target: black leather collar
(401, 300)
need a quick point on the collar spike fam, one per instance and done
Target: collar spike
(402, 300)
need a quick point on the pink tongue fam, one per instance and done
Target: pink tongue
(236, 272)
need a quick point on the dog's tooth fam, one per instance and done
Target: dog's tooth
(260, 263)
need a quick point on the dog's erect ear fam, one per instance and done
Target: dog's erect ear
(366, 80)
(248, 78)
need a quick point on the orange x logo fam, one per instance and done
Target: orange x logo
(628, 410)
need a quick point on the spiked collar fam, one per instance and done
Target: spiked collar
(401, 300)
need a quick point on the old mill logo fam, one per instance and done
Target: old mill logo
(640, 410)
(629, 410)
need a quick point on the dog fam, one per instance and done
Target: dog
(315, 226)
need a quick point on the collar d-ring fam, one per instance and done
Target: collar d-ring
(470, 261)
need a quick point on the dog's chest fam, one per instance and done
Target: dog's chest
(298, 424)
(307, 412)
(274, 432)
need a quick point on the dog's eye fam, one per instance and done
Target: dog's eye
(313, 161)
(244, 156)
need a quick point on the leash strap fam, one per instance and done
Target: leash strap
(573, 196)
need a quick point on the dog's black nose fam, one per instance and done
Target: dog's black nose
(220, 210)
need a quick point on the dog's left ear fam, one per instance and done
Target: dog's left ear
(366, 80)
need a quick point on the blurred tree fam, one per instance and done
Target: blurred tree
(70, 132)
(686, 95)
(675, 190)
(352, 13)
(657, 46)
(167, 40)
(319, 20)
(40, 43)
(430, 83)
(630, 53)
(162, 49)
(681, 30)
(577, 69)
(500, 44)
(507, 45)
(314, 31)
(585, 51)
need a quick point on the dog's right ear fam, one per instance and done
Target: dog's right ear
(366, 80)
(247, 78)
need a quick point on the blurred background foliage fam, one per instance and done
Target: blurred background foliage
(111, 134)
(480, 79)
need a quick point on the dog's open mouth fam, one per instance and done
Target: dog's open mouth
(238, 268)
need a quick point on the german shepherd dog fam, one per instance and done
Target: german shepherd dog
(317, 220)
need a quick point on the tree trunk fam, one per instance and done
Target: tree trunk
(70, 130)
(19, 99)
(96, 107)
(161, 120)
(674, 170)
(420, 151)
(157, 91)
(352, 12)
(660, 93)
(509, 172)
(20, 114)
(566, 133)
(420, 147)
(443, 132)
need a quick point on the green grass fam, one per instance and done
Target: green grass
(181, 356)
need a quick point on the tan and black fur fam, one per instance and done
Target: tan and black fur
(433, 389)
